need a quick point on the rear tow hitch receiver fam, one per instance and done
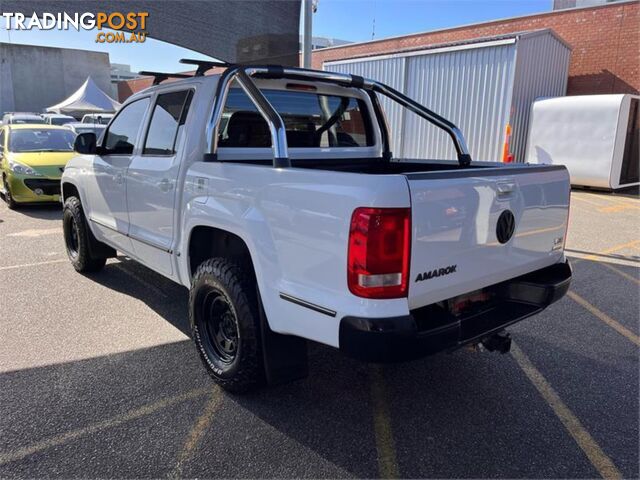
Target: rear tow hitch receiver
(500, 342)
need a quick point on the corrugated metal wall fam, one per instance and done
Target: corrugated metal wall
(542, 70)
(457, 86)
(480, 87)
(390, 71)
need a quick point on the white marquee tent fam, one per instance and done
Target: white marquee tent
(87, 99)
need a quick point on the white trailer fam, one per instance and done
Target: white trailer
(594, 136)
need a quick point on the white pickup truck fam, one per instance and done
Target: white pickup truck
(272, 194)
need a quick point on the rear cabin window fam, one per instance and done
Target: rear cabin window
(167, 123)
(311, 120)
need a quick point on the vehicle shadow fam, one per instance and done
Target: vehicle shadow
(42, 212)
(628, 192)
(75, 419)
(163, 296)
(457, 415)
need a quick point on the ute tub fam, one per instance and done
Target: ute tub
(431, 329)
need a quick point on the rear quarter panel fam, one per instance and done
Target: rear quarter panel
(295, 223)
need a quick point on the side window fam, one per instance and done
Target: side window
(167, 122)
(122, 134)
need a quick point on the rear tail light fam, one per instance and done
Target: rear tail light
(379, 248)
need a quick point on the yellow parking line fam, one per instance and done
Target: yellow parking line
(621, 207)
(36, 264)
(582, 199)
(621, 246)
(624, 200)
(605, 318)
(585, 441)
(197, 432)
(607, 199)
(20, 453)
(615, 248)
(526, 233)
(387, 461)
(620, 272)
(35, 233)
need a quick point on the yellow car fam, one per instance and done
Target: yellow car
(32, 158)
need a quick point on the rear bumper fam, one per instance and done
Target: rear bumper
(431, 329)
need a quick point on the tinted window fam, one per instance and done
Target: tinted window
(167, 123)
(61, 120)
(311, 120)
(122, 134)
(41, 140)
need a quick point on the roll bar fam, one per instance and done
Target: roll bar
(243, 75)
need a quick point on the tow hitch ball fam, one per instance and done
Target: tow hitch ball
(498, 342)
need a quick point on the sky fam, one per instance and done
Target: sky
(355, 20)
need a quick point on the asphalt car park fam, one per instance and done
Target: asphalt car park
(98, 378)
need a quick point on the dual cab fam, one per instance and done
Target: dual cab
(272, 194)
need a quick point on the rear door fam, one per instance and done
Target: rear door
(151, 180)
(106, 193)
(476, 227)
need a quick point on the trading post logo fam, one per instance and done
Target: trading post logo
(129, 27)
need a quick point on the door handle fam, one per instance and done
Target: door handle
(118, 178)
(165, 185)
(505, 188)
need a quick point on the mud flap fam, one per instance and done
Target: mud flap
(285, 356)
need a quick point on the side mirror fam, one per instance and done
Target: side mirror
(85, 143)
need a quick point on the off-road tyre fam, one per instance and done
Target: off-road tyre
(8, 198)
(78, 237)
(223, 300)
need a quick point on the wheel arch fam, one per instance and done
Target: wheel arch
(206, 241)
(69, 189)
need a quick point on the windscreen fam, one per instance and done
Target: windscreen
(61, 120)
(25, 120)
(312, 120)
(41, 140)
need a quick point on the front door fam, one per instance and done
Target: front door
(151, 181)
(106, 192)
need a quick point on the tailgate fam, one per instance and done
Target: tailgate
(476, 227)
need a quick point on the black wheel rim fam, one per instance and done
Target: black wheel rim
(219, 326)
(72, 236)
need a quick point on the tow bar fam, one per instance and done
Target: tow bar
(498, 342)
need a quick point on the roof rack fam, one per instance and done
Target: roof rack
(203, 65)
(161, 76)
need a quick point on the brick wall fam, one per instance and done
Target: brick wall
(605, 41)
(126, 88)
